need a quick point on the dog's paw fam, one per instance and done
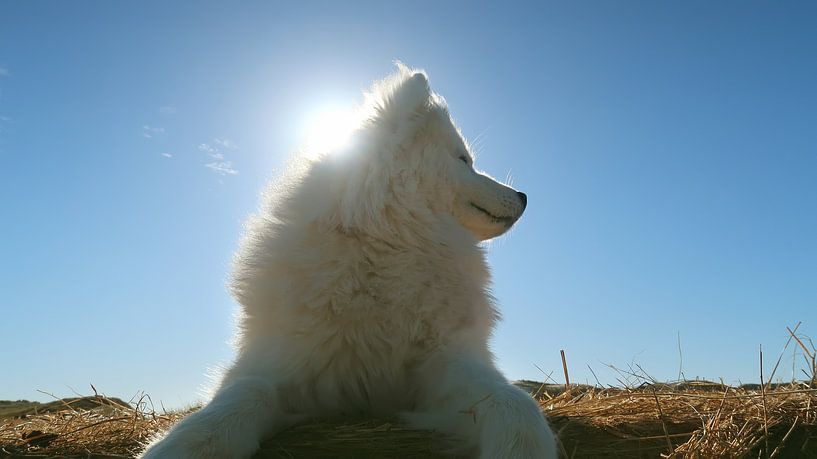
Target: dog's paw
(187, 442)
(519, 442)
(516, 428)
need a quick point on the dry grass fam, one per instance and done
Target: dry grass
(109, 429)
(691, 419)
(696, 420)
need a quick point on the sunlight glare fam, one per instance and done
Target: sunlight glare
(328, 129)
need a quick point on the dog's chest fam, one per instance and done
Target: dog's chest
(364, 322)
(411, 300)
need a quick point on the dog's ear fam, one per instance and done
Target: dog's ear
(400, 102)
(398, 106)
(410, 92)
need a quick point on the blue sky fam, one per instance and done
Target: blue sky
(668, 149)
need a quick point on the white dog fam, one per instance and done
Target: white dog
(364, 290)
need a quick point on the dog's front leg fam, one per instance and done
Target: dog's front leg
(467, 396)
(243, 412)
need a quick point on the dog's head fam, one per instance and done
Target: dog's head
(484, 206)
(408, 163)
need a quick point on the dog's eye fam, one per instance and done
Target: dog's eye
(464, 159)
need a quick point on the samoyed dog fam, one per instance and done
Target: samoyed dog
(364, 291)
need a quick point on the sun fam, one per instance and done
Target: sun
(328, 129)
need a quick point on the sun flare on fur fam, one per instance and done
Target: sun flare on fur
(328, 129)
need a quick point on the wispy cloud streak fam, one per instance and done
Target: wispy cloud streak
(226, 143)
(149, 132)
(222, 167)
(215, 150)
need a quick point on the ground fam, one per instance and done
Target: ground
(690, 419)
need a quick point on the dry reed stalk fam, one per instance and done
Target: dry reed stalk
(765, 415)
(670, 448)
(564, 367)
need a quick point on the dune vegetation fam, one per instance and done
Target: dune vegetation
(641, 418)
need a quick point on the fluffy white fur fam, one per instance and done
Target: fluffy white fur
(365, 291)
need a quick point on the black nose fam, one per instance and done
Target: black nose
(524, 198)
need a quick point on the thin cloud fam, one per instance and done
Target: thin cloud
(226, 143)
(167, 155)
(4, 72)
(216, 151)
(222, 167)
(211, 152)
(149, 132)
(167, 110)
